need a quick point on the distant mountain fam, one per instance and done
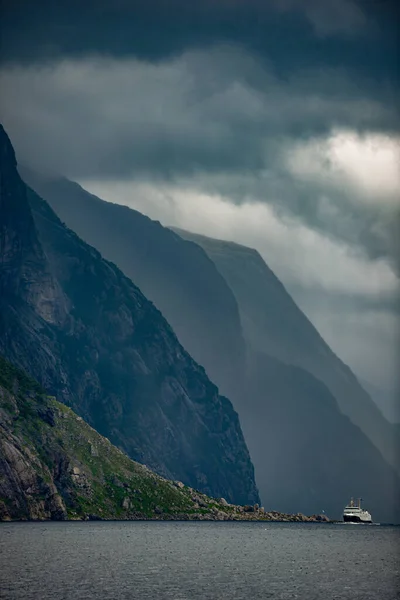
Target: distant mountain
(80, 327)
(306, 450)
(176, 275)
(273, 324)
(306, 453)
(388, 401)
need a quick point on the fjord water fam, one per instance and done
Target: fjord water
(185, 561)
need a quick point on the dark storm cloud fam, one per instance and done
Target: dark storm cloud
(219, 117)
(218, 110)
(288, 73)
(292, 33)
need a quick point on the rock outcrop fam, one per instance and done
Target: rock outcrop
(49, 472)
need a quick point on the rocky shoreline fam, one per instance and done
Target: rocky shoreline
(280, 518)
(203, 509)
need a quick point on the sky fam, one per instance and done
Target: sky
(270, 123)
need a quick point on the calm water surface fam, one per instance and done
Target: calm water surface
(185, 561)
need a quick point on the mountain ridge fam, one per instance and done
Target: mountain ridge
(78, 325)
(176, 275)
(260, 294)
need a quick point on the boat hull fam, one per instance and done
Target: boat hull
(355, 519)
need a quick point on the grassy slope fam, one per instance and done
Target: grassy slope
(91, 477)
(96, 477)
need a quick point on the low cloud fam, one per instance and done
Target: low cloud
(218, 110)
(352, 300)
(367, 165)
(311, 259)
(317, 145)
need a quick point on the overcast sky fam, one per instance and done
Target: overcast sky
(273, 124)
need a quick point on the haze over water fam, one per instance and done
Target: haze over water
(190, 561)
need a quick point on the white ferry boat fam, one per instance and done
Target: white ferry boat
(355, 514)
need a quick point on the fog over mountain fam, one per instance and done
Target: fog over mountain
(273, 325)
(274, 125)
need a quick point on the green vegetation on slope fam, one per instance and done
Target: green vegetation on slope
(92, 477)
(53, 465)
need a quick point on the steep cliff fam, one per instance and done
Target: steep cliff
(54, 466)
(175, 274)
(74, 322)
(273, 324)
(310, 447)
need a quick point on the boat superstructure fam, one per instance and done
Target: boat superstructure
(353, 513)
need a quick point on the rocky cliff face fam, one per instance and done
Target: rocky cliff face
(27, 488)
(54, 466)
(175, 274)
(89, 336)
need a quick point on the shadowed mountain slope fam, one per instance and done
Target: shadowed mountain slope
(80, 327)
(175, 274)
(273, 324)
(306, 453)
(55, 466)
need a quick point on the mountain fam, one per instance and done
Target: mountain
(80, 327)
(176, 275)
(54, 466)
(292, 463)
(273, 324)
(386, 400)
